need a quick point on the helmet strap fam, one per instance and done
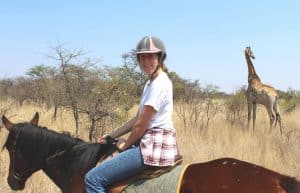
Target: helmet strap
(152, 75)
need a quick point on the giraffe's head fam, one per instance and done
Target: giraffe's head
(249, 52)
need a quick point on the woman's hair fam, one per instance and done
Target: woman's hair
(162, 64)
(164, 68)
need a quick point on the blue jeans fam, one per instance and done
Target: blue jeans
(117, 168)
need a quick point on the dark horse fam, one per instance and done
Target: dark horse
(66, 160)
(32, 148)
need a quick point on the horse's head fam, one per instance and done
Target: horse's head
(21, 165)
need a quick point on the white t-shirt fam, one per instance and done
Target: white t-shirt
(159, 95)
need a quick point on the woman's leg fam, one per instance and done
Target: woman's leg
(111, 171)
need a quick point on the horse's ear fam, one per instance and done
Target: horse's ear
(8, 125)
(35, 119)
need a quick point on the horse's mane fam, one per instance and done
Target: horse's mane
(40, 141)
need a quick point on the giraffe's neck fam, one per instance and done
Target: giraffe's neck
(251, 71)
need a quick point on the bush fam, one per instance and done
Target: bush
(288, 100)
(236, 108)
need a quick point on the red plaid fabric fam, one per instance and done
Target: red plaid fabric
(159, 147)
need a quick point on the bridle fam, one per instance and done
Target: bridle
(17, 175)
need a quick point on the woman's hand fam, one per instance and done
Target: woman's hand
(102, 139)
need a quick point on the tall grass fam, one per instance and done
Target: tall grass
(268, 149)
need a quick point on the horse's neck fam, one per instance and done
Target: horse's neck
(54, 175)
(65, 175)
(57, 172)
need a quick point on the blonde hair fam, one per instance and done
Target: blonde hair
(164, 67)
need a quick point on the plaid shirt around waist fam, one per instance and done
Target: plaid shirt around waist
(159, 147)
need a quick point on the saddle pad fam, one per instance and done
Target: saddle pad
(166, 183)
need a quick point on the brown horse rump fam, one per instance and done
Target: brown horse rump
(224, 175)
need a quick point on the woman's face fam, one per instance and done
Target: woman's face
(148, 62)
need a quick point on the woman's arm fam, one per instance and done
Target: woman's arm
(139, 128)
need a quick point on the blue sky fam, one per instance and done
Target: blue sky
(204, 39)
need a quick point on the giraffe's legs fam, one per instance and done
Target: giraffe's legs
(249, 113)
(254, 114)
(271, 116)
(277, 116)
(278, 119)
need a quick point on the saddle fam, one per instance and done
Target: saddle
(149, 173)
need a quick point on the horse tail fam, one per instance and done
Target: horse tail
(290, 185)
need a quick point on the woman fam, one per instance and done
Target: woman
(152, 127)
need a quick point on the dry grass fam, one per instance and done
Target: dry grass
(278, 153)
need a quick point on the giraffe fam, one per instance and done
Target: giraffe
(259, 93)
